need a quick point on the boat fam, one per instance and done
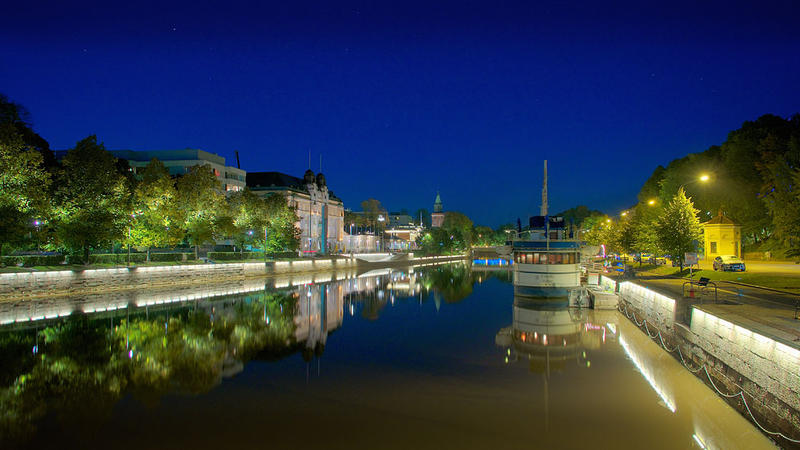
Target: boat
(546, 256)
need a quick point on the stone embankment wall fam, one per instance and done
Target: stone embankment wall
(766, 370)
(26, 285)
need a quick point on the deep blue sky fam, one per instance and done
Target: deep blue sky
(404, 98)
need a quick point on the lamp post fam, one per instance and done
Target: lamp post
(36, 223)
(380, 219)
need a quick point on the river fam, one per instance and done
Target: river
(426, 357)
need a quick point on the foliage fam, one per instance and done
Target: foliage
(678, 229)
(372, 211)
(91, 201)
(459, 225)
(578, 214)
(751, 181)
(156, 220)
(32, 260)
(23, 186)
(282, 232)
(202, 205)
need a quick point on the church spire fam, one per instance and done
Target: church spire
(437, 204)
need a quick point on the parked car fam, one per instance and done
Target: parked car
(729, 263)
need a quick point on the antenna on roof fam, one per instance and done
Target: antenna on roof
(237, 159)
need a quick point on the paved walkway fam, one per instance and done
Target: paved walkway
(768, 312)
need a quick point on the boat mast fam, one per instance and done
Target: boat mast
(543, 211)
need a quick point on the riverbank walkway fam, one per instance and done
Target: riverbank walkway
(770, 312)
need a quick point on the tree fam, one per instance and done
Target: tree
(578, 214)
(156, 218)
(248, 215)
(373, 210)
(678, 228)
(457, 222)
(645, 220)
(203, 205)
(17, 116)
(23, 186)
(91, 198)
(282, 231)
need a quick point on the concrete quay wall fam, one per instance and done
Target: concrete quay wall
(736, 357)
(28, 285)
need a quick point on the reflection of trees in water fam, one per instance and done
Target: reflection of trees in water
(453, 282)
(83, 366)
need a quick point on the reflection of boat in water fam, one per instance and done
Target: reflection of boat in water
(551, 337)
(548, 335)
(546, 257)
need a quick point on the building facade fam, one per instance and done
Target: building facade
(722, 236)
(178, 162)
(437, 217)
(320, 213)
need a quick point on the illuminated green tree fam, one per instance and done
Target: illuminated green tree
(678, 230)
(91, 201)
(282, 231)
(203, 205)
(156, 218)
(23, 186)
(458, 223)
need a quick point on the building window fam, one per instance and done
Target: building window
(713, 247)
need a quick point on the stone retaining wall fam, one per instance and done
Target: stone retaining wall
(768, 371)
(26, 285)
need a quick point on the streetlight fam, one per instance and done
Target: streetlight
(651, 202)
(381, 219)
(36, 223)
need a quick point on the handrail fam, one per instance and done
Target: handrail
(701, 288)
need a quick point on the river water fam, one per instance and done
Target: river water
(425, 357)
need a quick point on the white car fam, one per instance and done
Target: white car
(729, 263)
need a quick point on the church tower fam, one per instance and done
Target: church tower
(437, 217)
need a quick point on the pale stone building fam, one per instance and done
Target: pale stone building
(722, 237)
(178, 162)
(320, 212)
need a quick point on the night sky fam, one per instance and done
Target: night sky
(406, 98)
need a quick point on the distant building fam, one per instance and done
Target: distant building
(178, 162)
(437, 217)
(402, 233)
(320, 213)
(722, 237)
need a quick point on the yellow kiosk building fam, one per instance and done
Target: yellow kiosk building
(722, 237)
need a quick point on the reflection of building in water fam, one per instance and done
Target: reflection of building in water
(319, 310)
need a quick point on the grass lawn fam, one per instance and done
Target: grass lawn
(776, 281)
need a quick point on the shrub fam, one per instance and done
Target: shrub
(169, 257)
(32, 260)
(116, 258)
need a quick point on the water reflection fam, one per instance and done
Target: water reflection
(416, 346)
(550, 338)
(72, 358)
